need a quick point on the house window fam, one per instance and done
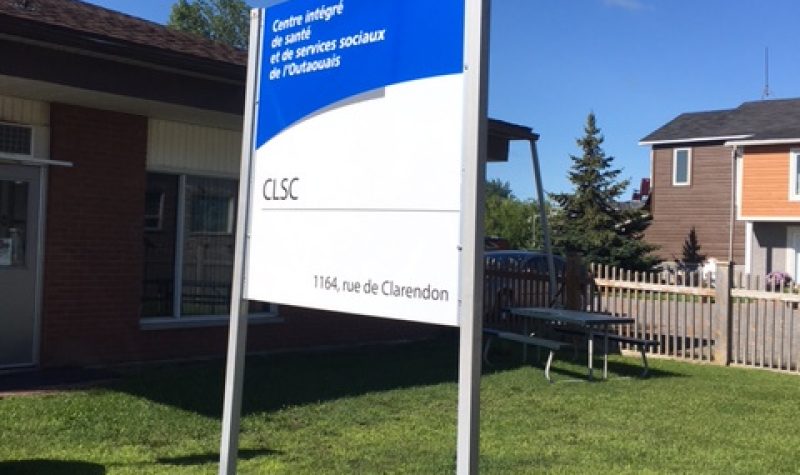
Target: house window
(681, 166)
(212, 214)
(794, 179)
(189, 240)
(153, 210)
(16, 139)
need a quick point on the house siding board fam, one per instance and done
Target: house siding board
(24, 111)
(704, 204)
(195, 149)
(765, 183)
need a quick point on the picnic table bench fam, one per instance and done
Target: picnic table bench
(590, 323)
(552, 345)
(642, 343)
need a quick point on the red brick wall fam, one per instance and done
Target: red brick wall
(301, 328)
(94, 260)
(93, 251)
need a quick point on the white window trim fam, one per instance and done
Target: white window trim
(688, 167)
(166, 323)
(794, 155)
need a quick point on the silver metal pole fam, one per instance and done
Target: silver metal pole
(237, 336)
(476, 54)
(551, 267)
(732, 220)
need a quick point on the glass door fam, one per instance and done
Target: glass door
(19, 228)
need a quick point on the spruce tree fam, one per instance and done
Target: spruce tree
(590, 221)
(690, 254)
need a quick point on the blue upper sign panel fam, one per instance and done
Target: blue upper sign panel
(317, 53)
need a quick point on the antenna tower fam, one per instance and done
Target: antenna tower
(766, 92)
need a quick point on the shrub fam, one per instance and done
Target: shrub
(775, 279)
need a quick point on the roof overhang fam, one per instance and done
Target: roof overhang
(52, 92)
(501, 134)
(40, 33)
(743, 143)
(695, 139)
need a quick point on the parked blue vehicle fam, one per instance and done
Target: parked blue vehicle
(509, 276)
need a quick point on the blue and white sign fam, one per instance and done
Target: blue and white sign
(357, 168)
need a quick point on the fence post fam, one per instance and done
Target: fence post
(573, 279)
(723, 314)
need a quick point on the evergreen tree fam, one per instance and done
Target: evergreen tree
(226, 21)
(589, 220)
(690, 254)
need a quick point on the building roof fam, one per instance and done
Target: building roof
(74, 23)
(98, 31)
(753, 121)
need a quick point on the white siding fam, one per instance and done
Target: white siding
(179, 147)
(24, 111)
(28, 112)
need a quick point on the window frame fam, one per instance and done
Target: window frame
(794, 157)
(31, 144)
(177, 318)
(158, 216)
(675, 153)
(230, 217)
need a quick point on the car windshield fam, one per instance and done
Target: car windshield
(521, 261)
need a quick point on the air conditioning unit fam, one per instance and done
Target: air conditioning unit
(16, 140)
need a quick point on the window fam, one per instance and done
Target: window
(189, 240)
(153, 210)
(681, 166)
(211, 214)
(16, 139)
(794, 171)
(13, 222)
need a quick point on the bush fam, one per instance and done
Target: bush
(777, 278)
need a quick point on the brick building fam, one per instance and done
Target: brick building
(119, 158)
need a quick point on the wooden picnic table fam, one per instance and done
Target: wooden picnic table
(590, 322)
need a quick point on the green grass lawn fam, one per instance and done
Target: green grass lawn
(392, 409)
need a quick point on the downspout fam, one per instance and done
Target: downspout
(734, 152)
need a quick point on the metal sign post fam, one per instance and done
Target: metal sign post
(237, 336)
(472, 233)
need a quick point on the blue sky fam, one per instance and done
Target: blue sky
(635, 63)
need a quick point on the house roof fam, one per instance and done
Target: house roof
(77, 24)
(753, 121)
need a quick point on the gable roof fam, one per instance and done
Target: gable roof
(753, 121)
(73, 23)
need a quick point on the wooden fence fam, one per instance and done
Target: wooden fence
(723, 317)
(506, 286)
(677, 310)
(720, 317)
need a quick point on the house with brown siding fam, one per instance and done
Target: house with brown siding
(733, 175)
